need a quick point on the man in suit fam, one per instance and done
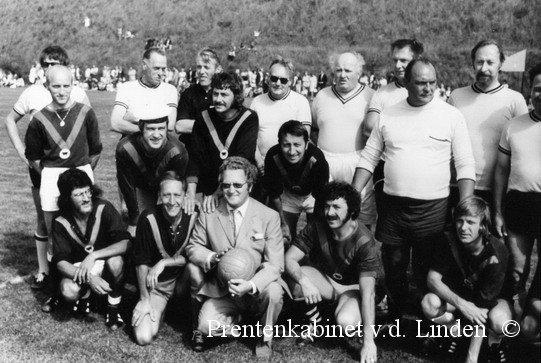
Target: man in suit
(239, 222)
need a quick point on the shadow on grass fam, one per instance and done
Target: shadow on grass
(18, 252)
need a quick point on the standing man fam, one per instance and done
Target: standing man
(63, 135)
(466, 279)
(517, 188)
(141, 161)
(162, 234)
(239, 222)
(227, 129)
(418, 137)
(321, 80)
(295, 174)
(338, 114)
(198, 97)
(345, 264)
(486, 105)
(33, 99)
(403, 52)
(146, 98)
(88, 237)
(278, 106)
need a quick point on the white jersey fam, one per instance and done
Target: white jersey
(273, 113)
(340, 119)
(486, 113)
(418, 144)
(387, 96)
(36, 97)
(147, 102)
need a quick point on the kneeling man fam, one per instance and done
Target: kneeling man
(466, 278)
(345, 264)
(239, 222)
(162, 235)
(88, 239)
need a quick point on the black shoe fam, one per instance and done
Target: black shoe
(51, 304)
(40, 281)
(198, 341)
(497, 353)
(113, 320)
(82, 307)
(449, 345)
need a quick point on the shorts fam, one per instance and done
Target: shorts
(49, 192)
(97, 269)
(407, 219)
(523, 213)
(166, 287)
(339, 289)
(342, 167)
(296, 204)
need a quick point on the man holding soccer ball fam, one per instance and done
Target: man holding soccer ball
(239, 222)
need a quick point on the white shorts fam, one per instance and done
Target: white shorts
(48, 192)
(296, 204)
(97, 269)
(339, 289)
(342, 168)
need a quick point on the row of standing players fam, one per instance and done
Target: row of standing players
(342, 130)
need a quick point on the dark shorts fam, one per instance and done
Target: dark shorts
(523, 213)
(35, 177)
(406, 219)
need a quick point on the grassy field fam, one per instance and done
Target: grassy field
(28, 335)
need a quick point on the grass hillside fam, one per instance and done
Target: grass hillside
(306, 30)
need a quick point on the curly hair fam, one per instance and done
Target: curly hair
(231, 81)
(336, 189)
(70, 180)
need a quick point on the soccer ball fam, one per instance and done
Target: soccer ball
(237, 263)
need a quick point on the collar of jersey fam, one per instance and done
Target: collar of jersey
(344, 100)
(491, 91)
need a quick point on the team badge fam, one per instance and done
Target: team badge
(65, 153)
(89, 249)
(224, 154)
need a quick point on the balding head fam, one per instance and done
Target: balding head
(59, 84)
(347, 69)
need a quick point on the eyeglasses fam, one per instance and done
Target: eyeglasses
(226, 186)
(276, 79)
(45, 64)
(86, 193)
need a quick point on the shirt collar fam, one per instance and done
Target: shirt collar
(242, 209)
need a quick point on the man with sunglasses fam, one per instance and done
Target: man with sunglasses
(33, 99)
(89, 241)
(239, 222)
(278, 106)
(338, 114)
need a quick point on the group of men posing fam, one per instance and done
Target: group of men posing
(186, 169)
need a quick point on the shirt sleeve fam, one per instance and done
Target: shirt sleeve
(62, 245)
(122, 97)
(319, 176)
(93, 134)
(304, 240)
(371, 154)
(304, 114)
(185, 109)
(21, 106)
(144, 245)
(34, 141)
(462, 150)
(375, 104)
(116, 231)
(272, 179)
(172, 97)
(504, 145)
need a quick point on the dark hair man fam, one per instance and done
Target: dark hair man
(88, 240)
(295, 173)
(344, 265)
(228, 129)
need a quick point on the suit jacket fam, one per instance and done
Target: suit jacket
(259, 233)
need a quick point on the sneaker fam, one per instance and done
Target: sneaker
(51, 304)
(497, 353)
(113, 320)
(307, 336)
(197, 341)
(82, 307)
(40, 281)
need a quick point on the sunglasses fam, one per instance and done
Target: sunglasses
(276, 79)
(48, 64)
(226, 186)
